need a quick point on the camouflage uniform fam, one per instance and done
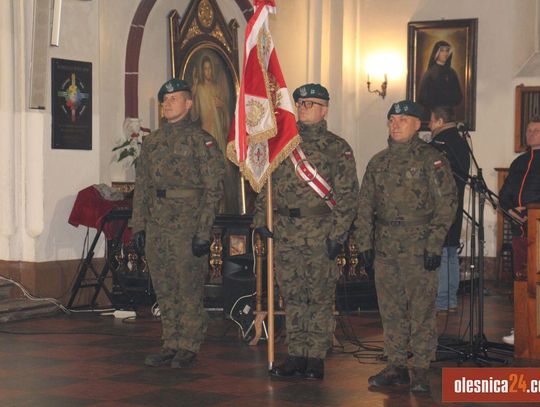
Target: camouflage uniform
(178, 185)
(305, 274)
(407, 203)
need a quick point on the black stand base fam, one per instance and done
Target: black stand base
(477, 353)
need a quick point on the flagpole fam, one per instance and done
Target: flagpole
(243, 207)
(270, 273)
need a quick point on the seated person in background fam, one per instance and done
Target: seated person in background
(446, 138)
(522, 187)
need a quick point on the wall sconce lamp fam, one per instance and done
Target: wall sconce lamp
(382, 92)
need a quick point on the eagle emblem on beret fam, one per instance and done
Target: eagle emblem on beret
(169, 86)
(397, 108)
(303, 91)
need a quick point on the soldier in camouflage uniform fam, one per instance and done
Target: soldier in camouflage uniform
(407, 203)
(308, 235)
(179, 182)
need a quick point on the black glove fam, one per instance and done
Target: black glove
(139, 241)
(264, 232)
(199, 247)
(333, 248)
(431, 261)
(367, 258)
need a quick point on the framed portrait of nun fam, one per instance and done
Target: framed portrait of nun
(441, 64)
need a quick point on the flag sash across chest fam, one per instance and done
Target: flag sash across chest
(308, 172)
(264, 130)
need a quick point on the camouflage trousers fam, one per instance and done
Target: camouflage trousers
(178, 279)
(406, 294)
(307, 280)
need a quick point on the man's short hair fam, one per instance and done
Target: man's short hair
(445, 113)
(535, 119)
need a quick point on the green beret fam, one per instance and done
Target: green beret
(172, 85)
(311, 90)
(407, 108)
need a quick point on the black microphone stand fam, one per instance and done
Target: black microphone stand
(478, 346)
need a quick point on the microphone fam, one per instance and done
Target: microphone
(462, 126)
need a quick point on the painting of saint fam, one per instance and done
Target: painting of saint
(440, 84)
(214, 95)
(442, 67)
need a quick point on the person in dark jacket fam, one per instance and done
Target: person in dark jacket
(522, 187)
(446, 138)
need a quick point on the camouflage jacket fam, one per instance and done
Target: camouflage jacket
(411, 182)
(334, 160)
(184, 161)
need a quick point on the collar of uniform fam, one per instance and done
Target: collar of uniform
(180, 124)
(444, 127)
(316, 128)
(401, 147)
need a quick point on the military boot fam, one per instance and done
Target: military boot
(292, 366)
(162, 358)
(183, 358)
(314, 369)
(390, 376)
(420, 381)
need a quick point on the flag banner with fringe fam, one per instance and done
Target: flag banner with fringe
(264, 130)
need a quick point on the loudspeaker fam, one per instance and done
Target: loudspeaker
(40, 45)
(238, 281)
(356, 295)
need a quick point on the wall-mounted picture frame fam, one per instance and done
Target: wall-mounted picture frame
(441, 64)
(527, 106)
(71, 94)
(237, 245)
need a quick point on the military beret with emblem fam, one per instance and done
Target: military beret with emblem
(311, 90)
(173, 85)
(407, 108)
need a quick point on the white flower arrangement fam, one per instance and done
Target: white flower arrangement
(130, 147)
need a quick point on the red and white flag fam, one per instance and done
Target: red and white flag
(264, 130)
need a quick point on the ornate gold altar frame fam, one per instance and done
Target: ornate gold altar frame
(204, 52)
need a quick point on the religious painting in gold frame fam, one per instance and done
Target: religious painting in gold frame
(204, 52)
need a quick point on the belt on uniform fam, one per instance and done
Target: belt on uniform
(177, 193)
(303, 212)
(405, 222)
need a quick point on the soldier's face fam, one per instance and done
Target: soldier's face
(175, 106)
(313, 114)
(533, 135)
(403, 128)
